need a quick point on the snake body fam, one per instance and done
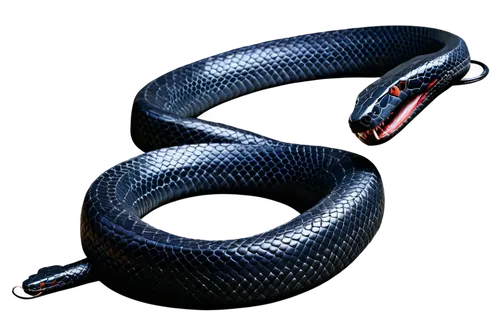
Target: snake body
(338, 194)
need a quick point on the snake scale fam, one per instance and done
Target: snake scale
(338, 194)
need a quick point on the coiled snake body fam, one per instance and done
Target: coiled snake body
(339, 194)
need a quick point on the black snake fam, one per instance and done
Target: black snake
(339, 194)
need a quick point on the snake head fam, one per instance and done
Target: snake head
(54, 278)
(385, 107)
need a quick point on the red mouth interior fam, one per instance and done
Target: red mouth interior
(396, 118)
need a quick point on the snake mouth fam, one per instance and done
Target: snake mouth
(395, 120)
(384, 129)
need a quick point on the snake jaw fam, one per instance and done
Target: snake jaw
(396, 119)
(389, 127)
(372, 133)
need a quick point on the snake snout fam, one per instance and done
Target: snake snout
(18, 290)
(362, 124)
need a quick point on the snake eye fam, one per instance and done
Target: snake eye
(394, 91)
(402, 85)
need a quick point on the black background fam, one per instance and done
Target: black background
(434, 239)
